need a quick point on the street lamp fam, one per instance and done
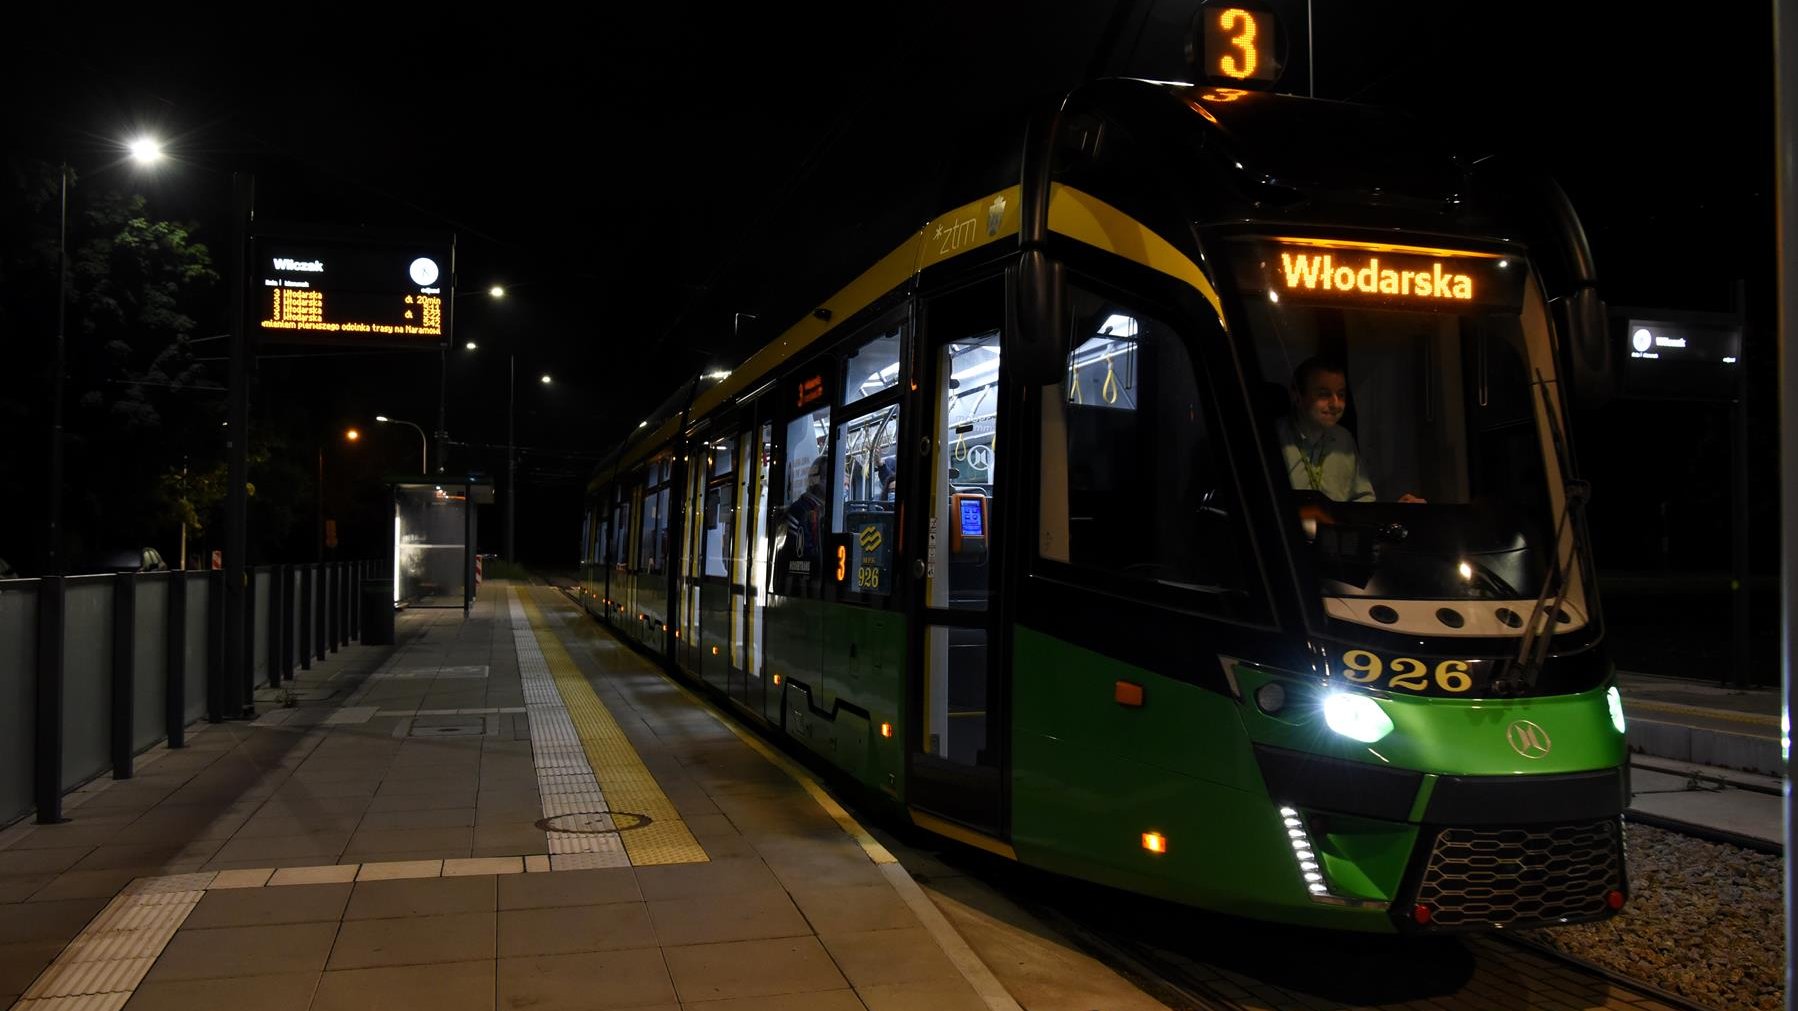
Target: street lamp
(145, 151)
(512, 453)
(424, 446)
(495, 292)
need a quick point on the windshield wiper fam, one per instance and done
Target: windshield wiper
(1532, 650)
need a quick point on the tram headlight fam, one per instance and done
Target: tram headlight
(1356, 716)
(1614, 699)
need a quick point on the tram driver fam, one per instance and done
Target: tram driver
(1320, 455)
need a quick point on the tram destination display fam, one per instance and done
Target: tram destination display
(351, 292)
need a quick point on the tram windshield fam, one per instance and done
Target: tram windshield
(1410, 427)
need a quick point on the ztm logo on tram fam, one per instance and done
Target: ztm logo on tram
(1528, 739)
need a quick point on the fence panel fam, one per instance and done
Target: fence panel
(87, 680)
(199, 655)
(18, 695)
(150, 672)
(265, 582)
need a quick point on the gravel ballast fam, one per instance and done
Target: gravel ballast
(1705, 921)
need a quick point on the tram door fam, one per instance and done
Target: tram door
(960, 748)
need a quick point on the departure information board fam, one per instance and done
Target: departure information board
(368, 293)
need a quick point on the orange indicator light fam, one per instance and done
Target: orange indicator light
(714, 651)
(1154, 842)
(886, 730)
(1128, 694)
(777, 679)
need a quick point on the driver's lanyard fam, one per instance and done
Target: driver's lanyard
(1312, 458)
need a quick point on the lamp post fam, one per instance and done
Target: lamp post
(349, 435)
(512, 453)
(54, 563)
(424, 446)
(144, 151)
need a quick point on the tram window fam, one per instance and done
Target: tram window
(720, 500)
(621, 533)
(1132, 480)
(867, 459)
(652, 549)
(798, 524)
(872, 367)
(1439, 432)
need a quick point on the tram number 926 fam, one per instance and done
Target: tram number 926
(867, 574)
(1407, 674)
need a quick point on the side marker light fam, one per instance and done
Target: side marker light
(1614, 899)
(886, 730)
(1154, 842)
(777, 679)
(1421, 913)
(1128, 693)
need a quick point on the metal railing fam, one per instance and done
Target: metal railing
(97, 669)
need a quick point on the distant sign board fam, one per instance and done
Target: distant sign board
(372, 293)
(1673, 354)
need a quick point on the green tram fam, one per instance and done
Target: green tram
(1023, 531)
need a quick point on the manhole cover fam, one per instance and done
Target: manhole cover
(448, 728)
(590, 823)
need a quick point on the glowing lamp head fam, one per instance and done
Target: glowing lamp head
(1356, 717)
(352, 435)
(1154, 842)
(471, 345)
(496, 291)
(145, 150)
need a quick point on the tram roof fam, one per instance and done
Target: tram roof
(1282, 157)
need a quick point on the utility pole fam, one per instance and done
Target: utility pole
(229, 698)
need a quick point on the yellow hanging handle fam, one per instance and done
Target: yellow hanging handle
(960, 451)
(1110, 390)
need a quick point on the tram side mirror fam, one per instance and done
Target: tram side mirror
(1586, 347)
(1037, 319)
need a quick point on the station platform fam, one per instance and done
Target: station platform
(506, 810)
(1706, 754)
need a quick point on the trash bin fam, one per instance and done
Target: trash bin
(377, 612)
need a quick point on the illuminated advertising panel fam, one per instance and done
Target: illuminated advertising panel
(375, 293)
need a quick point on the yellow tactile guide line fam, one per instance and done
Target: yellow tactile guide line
(628, 786)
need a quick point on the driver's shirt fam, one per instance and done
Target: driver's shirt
(1323, 459)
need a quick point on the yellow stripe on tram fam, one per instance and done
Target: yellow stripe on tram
(627, 784)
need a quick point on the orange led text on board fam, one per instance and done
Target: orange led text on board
(1325, 272)
(1230, 65)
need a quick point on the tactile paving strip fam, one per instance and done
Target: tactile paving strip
(565, 780)
(662, 838)
(106, 962)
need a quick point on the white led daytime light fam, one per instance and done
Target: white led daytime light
(1310, 870)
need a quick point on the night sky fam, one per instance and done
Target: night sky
(637, 177)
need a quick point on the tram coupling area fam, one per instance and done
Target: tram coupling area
(505, 810)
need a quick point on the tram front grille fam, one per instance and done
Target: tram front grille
(1521, 876)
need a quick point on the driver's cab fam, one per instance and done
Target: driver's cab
(1429, 498)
